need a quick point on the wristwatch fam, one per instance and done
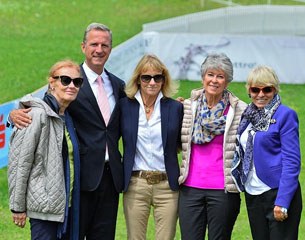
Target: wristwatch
(284, 210)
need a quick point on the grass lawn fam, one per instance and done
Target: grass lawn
(36, 33)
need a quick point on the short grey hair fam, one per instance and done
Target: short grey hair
(97, 26)
(219, 61)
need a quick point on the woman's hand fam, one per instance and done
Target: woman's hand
(19, 219)
(279, 215)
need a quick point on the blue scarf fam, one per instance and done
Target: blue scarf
(74, 214)
(209, 122)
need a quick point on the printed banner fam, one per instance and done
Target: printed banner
(4, 132)
(183, 54)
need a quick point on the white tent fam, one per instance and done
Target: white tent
(249, 35)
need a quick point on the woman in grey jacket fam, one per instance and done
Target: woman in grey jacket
(43, 170)
(208, 195)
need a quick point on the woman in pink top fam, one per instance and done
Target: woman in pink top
(208, 195)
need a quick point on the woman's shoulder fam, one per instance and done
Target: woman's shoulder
(172, 102)
(286, 111)
(127, 100)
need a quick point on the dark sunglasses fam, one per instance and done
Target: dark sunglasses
(157, 78)
(258, 90)
(66, 80)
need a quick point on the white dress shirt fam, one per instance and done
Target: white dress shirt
(149, 150)
(92, 76)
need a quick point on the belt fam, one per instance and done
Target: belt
(152, 177)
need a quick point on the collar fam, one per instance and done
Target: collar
(91, 75)
(140, 100)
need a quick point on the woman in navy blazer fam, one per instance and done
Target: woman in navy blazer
(267, 161)
(150, 128)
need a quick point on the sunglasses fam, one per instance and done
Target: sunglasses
(157, 78)
(66, 80)
(258, 90)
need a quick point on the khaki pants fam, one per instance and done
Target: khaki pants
(138, 201)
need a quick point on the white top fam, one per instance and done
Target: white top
(253, 185)
(149, 150)
(92, 76)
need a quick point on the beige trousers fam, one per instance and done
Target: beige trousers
(138, 201)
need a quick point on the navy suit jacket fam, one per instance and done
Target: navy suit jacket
(276, 155)
(93, 135)
(171, 121)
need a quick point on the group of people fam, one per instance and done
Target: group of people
(66, 172)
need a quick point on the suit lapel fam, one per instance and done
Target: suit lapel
(164, 119)
(134, 119)
(87, 93)
(114, 86)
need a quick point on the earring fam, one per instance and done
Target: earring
(52, 88)
(249, 95)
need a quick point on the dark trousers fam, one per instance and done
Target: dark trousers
(201, 208)
(261, 218)
(98, 210)
(43, 230)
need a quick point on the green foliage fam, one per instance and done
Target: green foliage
(36, 33)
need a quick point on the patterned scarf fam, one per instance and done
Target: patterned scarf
(260, 120)
(209, 122)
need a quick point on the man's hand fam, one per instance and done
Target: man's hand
(20, 117)
(180, 99)
(19, 219)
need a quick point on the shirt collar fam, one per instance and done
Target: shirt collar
(91, 75)
(139, 98)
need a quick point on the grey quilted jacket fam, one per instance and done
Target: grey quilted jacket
(233, 118)
(35, 170)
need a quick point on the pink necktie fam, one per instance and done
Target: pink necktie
(102, 99)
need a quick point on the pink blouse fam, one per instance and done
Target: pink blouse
(206, 165)
(206, 170)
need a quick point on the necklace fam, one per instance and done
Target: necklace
(147, 108)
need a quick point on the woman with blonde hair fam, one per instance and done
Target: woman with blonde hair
(150, 126)
(267, 162)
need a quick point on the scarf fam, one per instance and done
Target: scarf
(260, 120)
(52, 102)
(209, 122)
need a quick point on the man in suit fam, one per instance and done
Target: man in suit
(101, 165)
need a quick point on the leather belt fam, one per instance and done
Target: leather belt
(152, 177)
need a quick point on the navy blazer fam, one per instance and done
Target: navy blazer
(171, 122)
(93, 134)
(276, 154)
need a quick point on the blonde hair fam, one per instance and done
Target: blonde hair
(263, 76)
(169, 87)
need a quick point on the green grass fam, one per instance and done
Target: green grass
(36, 33)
